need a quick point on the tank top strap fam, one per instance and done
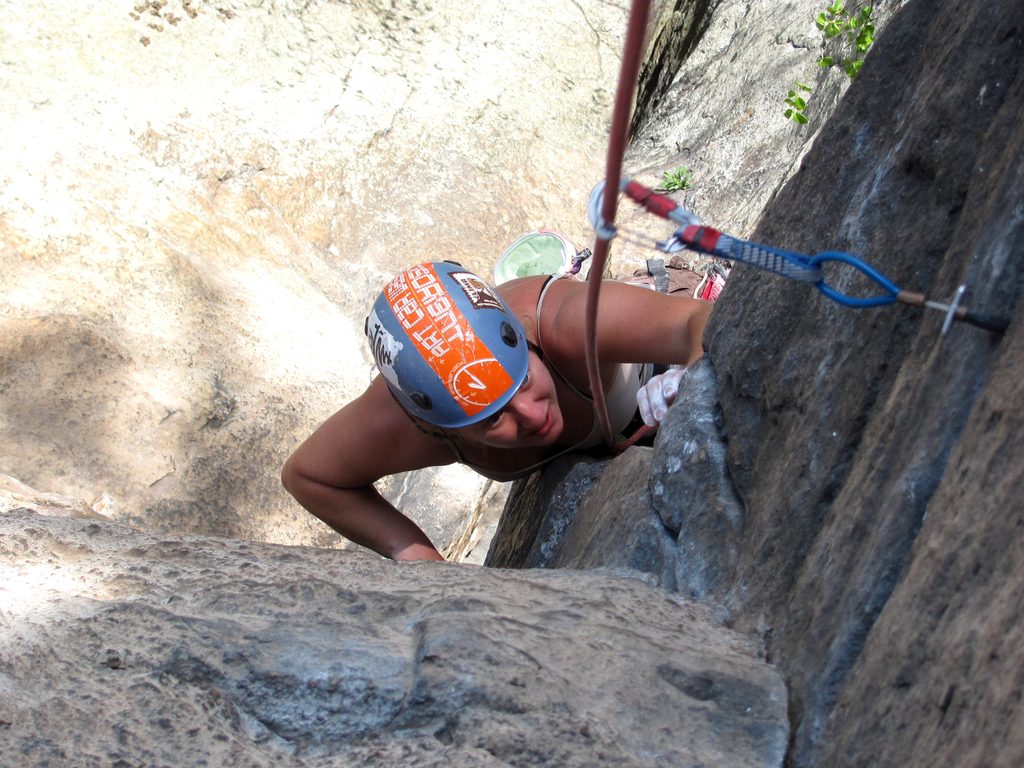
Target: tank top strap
(540, 341)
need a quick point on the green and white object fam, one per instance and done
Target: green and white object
(535, 253)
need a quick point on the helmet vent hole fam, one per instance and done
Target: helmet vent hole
(422, 401)
(508, 334)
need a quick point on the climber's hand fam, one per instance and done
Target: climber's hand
(657, 395)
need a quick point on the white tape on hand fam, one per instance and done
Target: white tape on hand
(654, 398)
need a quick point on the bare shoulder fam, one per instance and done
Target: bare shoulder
(521, 295)
(564, 299)
(367, 439)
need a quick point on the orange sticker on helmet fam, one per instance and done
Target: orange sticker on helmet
(446, 340)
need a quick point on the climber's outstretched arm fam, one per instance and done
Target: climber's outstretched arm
(332, 473)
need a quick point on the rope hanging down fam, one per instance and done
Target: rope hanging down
(628, 76)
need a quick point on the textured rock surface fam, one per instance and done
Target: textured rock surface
(201, 198)
(691, 489)
(125, 648)
(682, 527)
(842, 424)
(538, 511)
(586, 514)
(956, 688)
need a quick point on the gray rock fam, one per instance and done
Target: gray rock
(538, 511)
(670, 512)
(842, 423)
(615, 526)
(690, 486)
(586, 513)
(126, 648)
(712, 99)
(955, 689)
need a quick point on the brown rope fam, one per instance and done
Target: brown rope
(628, 76)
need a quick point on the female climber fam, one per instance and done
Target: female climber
(494, 378)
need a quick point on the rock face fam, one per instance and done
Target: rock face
(876, 462)
(121, 648)
(954, 689)
(682, 526)
(842, 425)
(712, 99)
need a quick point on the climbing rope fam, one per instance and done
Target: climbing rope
(628, 77)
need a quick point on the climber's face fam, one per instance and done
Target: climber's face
(531, 418)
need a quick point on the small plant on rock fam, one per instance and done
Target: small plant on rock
(796, 104)
(855, 32)
(848, 36)
(679, 179)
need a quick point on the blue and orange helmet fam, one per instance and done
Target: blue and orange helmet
(449, 349)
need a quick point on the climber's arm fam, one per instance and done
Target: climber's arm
(634, 324)
(332, 473)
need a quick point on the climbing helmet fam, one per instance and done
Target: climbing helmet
(449, 349)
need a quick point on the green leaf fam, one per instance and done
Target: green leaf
(853, 67)
(796, 116)
(825, 61)
(803, 86)
(865, 38)
(822, 20)
(836, 7)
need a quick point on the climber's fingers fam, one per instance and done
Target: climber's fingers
(657, 395)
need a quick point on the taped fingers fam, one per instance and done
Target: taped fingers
(654, 398)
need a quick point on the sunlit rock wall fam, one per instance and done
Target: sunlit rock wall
(200, 199)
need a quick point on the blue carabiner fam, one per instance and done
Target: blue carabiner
(853, 301)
